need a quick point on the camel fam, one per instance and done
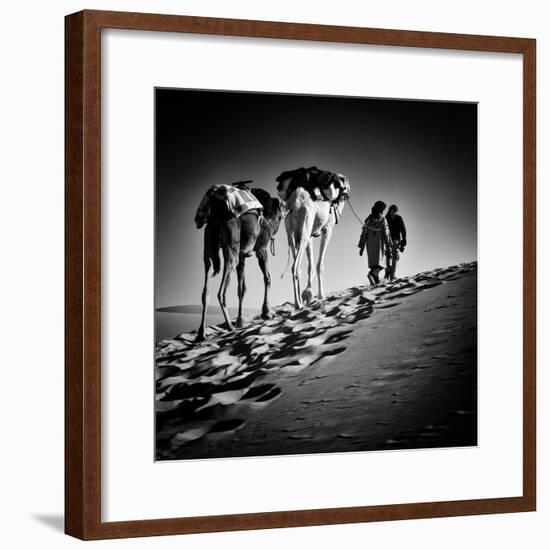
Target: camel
(238, 237)
(314, 201)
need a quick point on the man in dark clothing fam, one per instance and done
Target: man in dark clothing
(398, 235)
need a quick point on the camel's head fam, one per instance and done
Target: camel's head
(203, 211)
(278, 208)
(342, 189)
(273, 207)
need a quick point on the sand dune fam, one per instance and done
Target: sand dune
(388, 367)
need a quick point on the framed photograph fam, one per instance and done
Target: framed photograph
(300, 275)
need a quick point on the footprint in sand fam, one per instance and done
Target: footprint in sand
(167, 406)
(264, 393)
(269, 396)
(223, 398)
(165, 371)
(192, 434)
(225, 426)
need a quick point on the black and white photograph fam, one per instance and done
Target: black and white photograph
(315, 274)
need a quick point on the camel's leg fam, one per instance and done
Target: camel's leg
(325, 239)
(241, 289)
(307, 295)
(292, 245)
(290, 235)
(205, 296)
(298, 225)
(301, 246)
(230, 261)
(262, 261)
(201, 333)
(296, 275)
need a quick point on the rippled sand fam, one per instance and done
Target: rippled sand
(389, 367)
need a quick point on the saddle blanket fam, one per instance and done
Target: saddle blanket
(240, 201)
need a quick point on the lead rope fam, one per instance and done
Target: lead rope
(272, 246)
(354, 212)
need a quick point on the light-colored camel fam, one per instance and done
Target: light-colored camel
(307, 218)
(237, 237)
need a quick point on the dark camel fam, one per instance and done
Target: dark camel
(237, 237)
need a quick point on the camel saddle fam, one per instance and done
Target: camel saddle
(238, 199)
(315, 181)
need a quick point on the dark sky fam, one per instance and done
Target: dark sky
(420, 155)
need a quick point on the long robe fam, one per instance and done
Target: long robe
(376, 238)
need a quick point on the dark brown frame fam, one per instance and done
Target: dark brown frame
(83, 274)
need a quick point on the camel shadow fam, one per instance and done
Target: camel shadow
(53, 521)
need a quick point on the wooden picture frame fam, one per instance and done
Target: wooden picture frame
(83, 274)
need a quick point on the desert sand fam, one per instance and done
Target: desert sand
(369, 368)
